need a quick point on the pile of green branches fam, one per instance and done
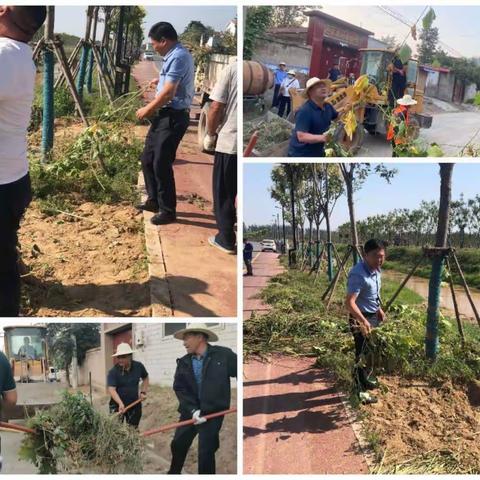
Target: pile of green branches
(72, 437)
(270, 132)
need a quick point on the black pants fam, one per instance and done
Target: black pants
(248, 264)
(167, 130)
(224, 193)
(283, 102)
(276, 90)
(360, 374)
(14, 200)
(208, 443)
(132, 416)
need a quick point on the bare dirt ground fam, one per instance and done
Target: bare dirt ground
(90, 264)
(160, 409)
(413, 419)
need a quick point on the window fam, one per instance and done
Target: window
(171, 328)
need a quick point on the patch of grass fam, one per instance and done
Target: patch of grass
(402, 260)
(299, 324)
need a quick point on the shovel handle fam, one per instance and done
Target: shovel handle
(171, 426)
(128, 407)
(18, 428)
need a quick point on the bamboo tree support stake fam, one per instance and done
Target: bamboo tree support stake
(90, 53)
(48, 80)
(101, 72)
(337, 258)
(38, 49)
(465, 287)
(71, 61)
(333, 284)
(455, 305)
(402, 285)
(60, 53)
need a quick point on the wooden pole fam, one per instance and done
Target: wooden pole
(71, 60)
(407, 278)
(455, 305)
(62, 59)
(101, 73)
(465, 286)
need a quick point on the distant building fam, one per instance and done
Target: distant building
(231, 27)
(154, 346)
(314, 50)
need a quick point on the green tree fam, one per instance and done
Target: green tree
(60, 342)
(428, 39)
(194, 32)
(390, 40)
(256, 23)
(289, 16)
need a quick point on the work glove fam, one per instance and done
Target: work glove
(198, 419)
(209, 142)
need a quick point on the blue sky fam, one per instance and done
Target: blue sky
(71, 19)
(412, 184)
(457, 25)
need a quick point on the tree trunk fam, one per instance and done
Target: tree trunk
(431, 337)
(351, 211)
(292, 206)
(329, 232)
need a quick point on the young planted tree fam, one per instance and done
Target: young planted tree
(428, 39)
(438, 261)
(354, 175)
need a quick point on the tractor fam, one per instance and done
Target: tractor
(27, 351)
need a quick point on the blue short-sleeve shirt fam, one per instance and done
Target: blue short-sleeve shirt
(178, 68)
(311, 118)
(280, 76)
(366, 283)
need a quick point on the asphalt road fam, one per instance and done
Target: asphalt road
(451, 131)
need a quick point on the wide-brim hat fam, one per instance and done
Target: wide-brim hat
(196, 328)
(123, 349)
(291, 72)
(282, 63)
(311, 82)
(407, 100)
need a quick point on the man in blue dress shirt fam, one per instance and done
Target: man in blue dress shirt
(169, 113)
(312, 120)
(279, 75)
(363, 303)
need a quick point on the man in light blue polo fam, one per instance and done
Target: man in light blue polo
(280, 74)
(169, 113)
(363, 303)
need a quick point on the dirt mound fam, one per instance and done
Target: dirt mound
(413, 419)
(89, 262)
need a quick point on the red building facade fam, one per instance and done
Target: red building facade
(334, 40)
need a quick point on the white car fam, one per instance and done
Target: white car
(268, 246)
(148, 56)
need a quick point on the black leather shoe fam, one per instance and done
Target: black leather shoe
(163, 218)
(149, 206)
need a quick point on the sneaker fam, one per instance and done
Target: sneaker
(149, 206)
(367, 398)
(213, 242)
(163, 218)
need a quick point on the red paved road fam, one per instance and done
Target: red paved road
(294, 421)
(265, 266)
(202, 280)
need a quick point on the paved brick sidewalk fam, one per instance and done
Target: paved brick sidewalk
(294, 420)
(265, 266)
(191, 277)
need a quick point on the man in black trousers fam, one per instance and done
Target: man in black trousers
(202, 386)
(222, 118)
(169, 113)
(18, 25)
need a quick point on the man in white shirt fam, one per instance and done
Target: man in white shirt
(222, 118)
(18, 25)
